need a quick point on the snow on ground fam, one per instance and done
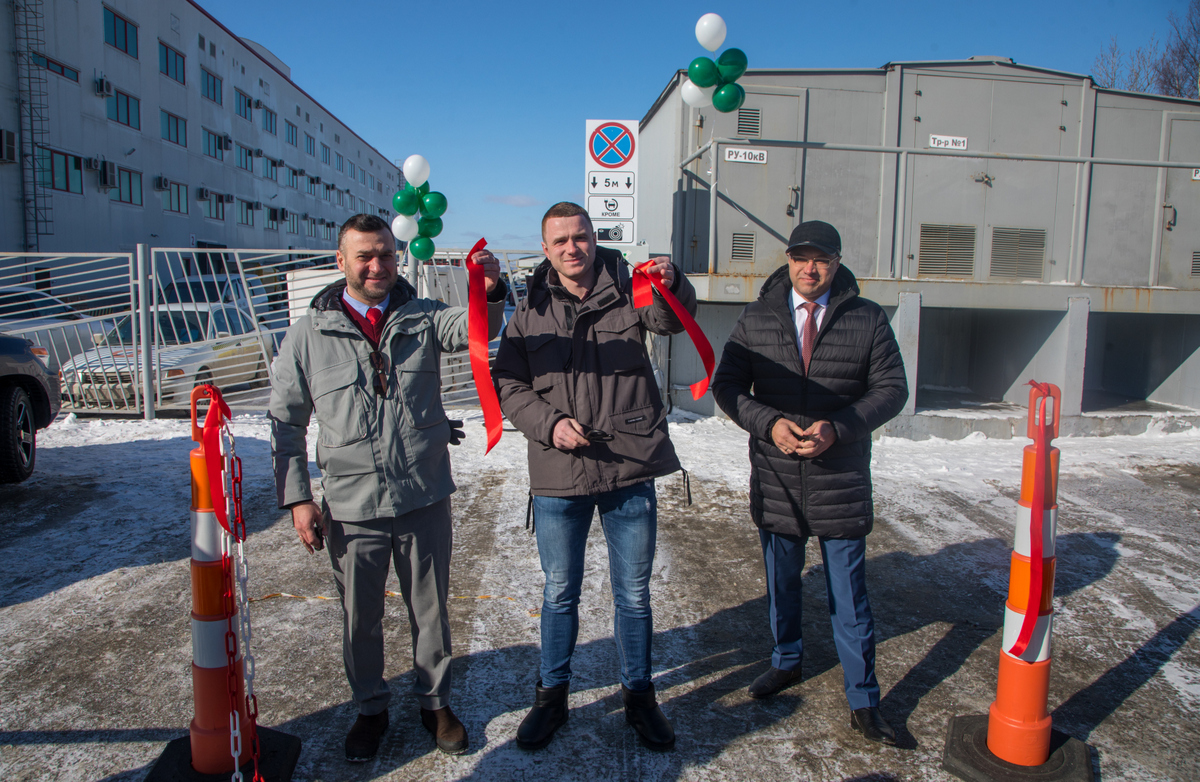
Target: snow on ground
(1128, 592)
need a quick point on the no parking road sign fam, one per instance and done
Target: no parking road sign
(610, 169)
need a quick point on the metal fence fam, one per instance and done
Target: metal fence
(133, 333)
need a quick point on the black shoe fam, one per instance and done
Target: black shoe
(872, 725)
(643, 713)
(773, 681)
(362, 742)
(447, 730)
(549, 713)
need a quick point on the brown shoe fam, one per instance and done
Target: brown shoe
(447, 730)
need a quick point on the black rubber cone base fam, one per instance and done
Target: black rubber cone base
(967, 756)
(278, 753)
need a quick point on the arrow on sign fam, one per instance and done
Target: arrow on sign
(628, 182)
(593, 182)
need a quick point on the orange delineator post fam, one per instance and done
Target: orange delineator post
(1018, 729)
(210, 729)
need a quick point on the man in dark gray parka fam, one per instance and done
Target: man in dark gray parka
(809, 371)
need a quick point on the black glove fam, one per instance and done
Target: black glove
(456, 431)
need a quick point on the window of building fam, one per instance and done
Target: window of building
(271, 220)
(352, 171)
(128, 189)
(244, 106)
(125, 109)
(310, 145)
(337, 160)
(330, 232)
(341, 198)
(210, 86)
(293, 179)
(293, 223)
(325, 154)
(270, 169)
(371, 180)
(268, 121)
(310, 227)
(214, 207)
(290, 133)
(245, 213)
(174, 129)
(60, 171)
(175, 198)
(120, 33)
(214, 145)
(245, 158)
(325, 192)
(362, 175)
(170, 63)
(55, 67)
(311, 186)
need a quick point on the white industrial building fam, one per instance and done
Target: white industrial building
(149, 121)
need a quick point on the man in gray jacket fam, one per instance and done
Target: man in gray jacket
(365, 359)
(573, 375)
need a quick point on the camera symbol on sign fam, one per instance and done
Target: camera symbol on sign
(613, 234)
(610, 204)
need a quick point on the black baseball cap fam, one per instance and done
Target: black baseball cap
(817, 234)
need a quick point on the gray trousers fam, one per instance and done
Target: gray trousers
(419, 544)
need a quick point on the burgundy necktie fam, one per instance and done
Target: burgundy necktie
(810, 332)
(375, 318)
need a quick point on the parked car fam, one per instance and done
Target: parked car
(29, 401)
(197, 343)
(51, 323)
(229, 289)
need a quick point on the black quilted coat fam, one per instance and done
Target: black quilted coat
(856, 382)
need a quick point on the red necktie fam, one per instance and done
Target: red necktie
(375, 318)
(810, 332)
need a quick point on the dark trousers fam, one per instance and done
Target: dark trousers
(849, 610)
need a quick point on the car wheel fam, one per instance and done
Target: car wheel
(18, 436)
(202, 377)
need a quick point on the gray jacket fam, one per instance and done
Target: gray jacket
(379, 456)
(561, 358)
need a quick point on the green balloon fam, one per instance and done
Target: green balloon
(423, 189)
(433, 205)
(729, 98)
(731, 65)
(406, 202)
(429, 227)
(703, 72)
(421, 248)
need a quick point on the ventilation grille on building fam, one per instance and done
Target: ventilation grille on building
(1196, 264)
(749, 122)
(1018, 253)
(743, 248)
(947, 251)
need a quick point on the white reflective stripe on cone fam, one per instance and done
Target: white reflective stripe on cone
(1039, 642)
(1049, 530)
(208, 643)
(206, 536)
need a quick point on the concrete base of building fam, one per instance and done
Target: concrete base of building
(967, 756)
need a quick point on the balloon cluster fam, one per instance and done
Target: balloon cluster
(420, 211)
(715, 83)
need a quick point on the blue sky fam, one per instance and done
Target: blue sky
(495, 95)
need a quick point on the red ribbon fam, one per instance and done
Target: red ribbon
(218, 413)
(1037, 511)
(643, 296)
(477, 337)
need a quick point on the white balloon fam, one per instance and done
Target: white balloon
(416, 169)
(699, 97)
(710, 31)
(404, 228)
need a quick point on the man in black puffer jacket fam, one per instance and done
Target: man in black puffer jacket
(809, 371)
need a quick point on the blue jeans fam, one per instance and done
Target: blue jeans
(629, 518)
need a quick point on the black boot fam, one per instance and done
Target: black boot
(549, 713)
(643, 713)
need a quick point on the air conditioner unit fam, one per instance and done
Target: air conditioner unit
(8, 146)
(300, 172)
(202, 194)
(92, 163)
(162, 183)
(228, 141)
(228, 198)
(104, 88)
(258, 104)
(284, 215)
(281, 162)
(258, 153)
(321, 221)
(316, 180)
(304, 216)
(108, 174)
(257, 206)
